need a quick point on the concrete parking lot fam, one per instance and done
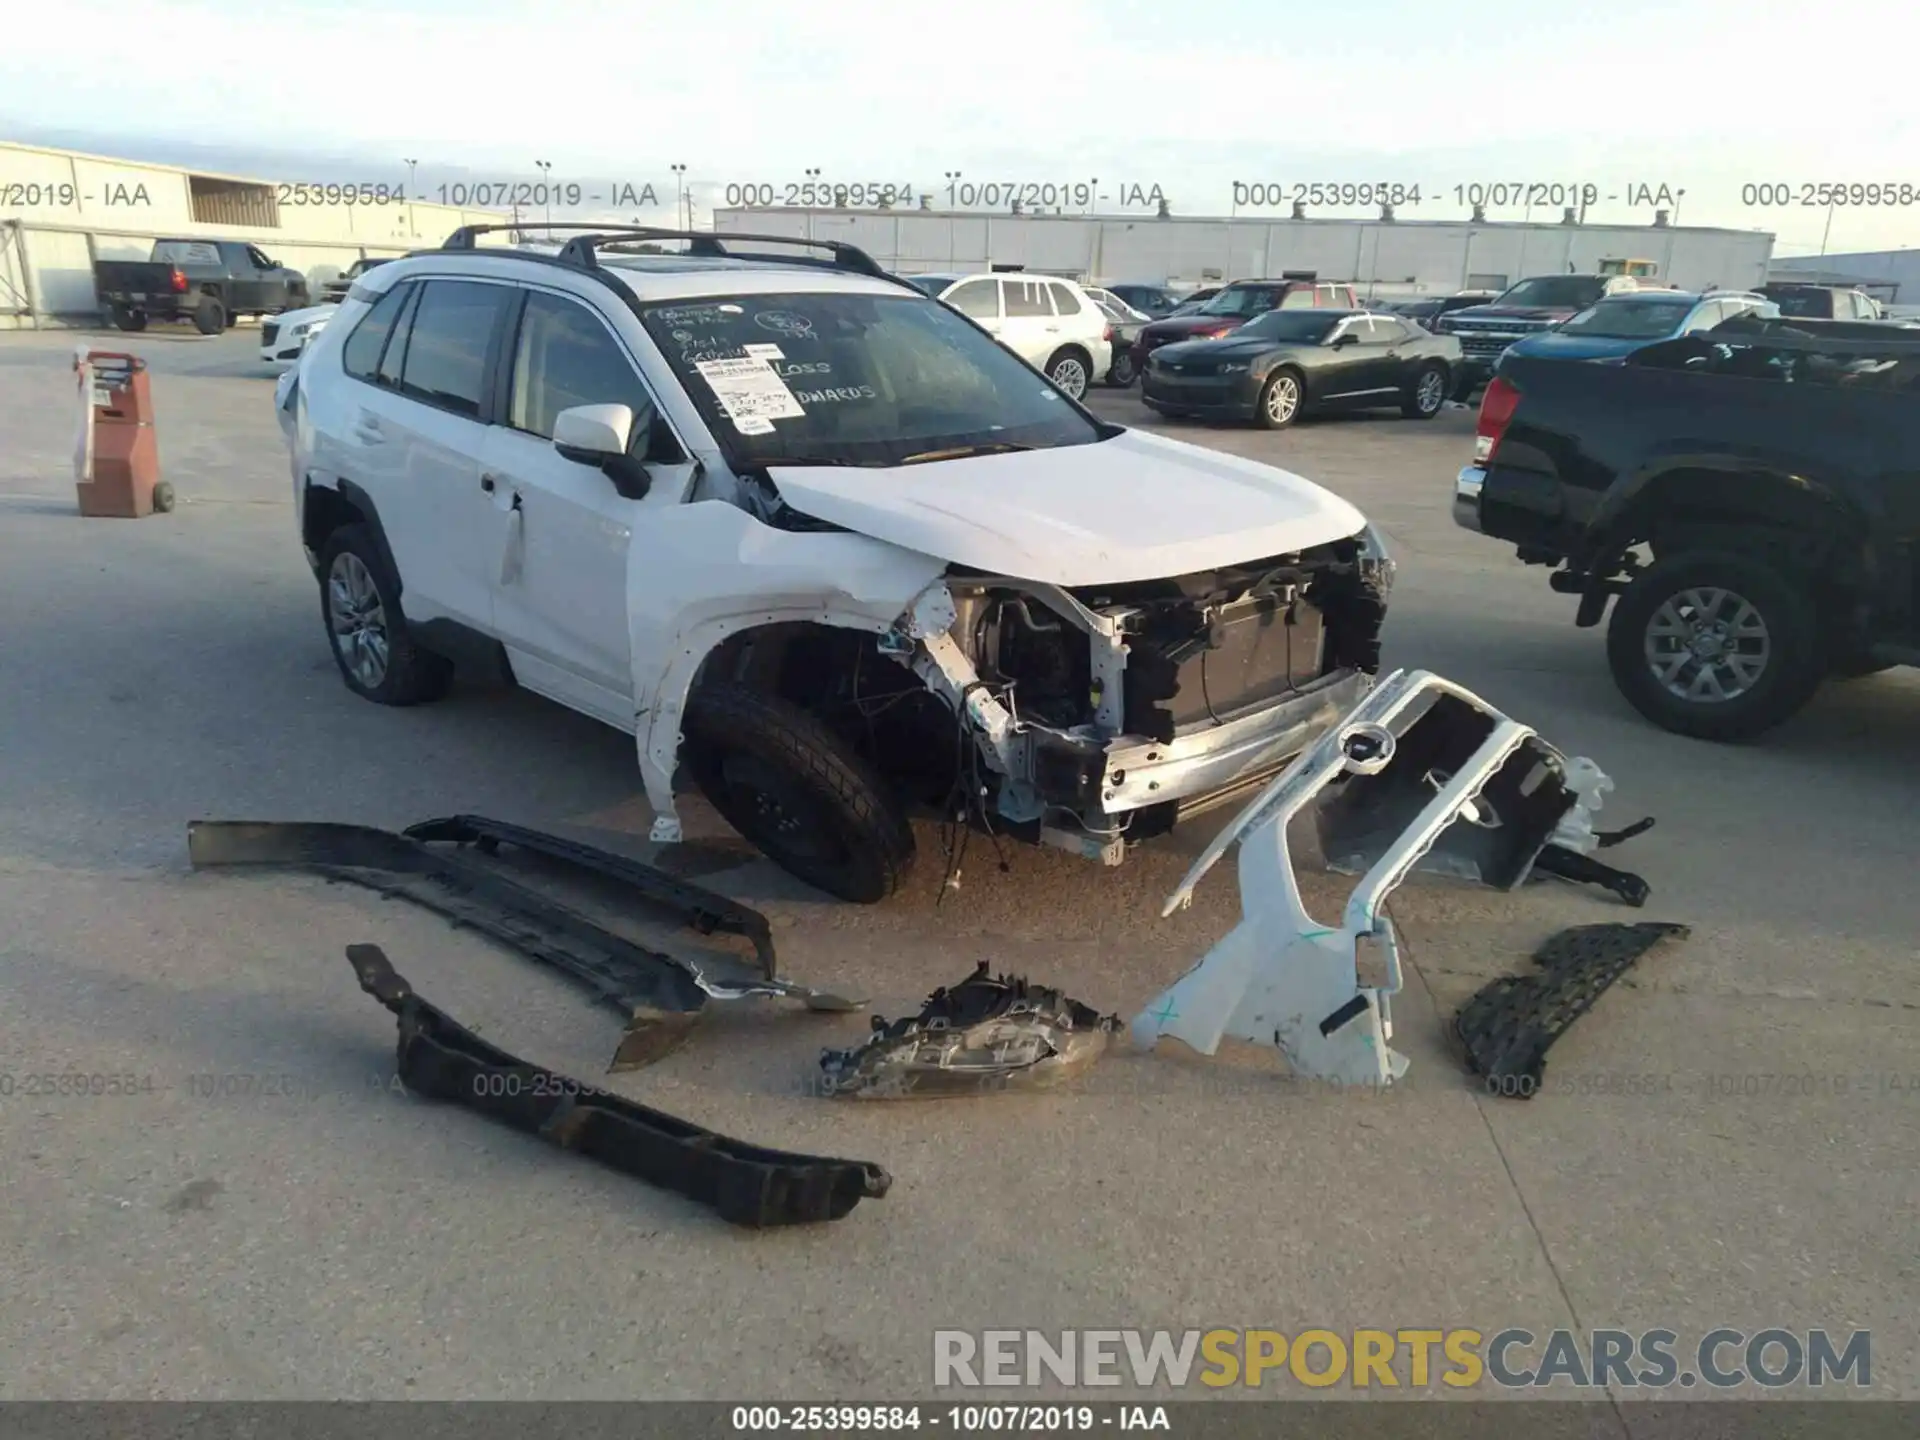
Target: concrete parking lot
(342, 1241)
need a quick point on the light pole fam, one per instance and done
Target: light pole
(953, 203)
(813, 188)
(680, 194)
(1827, 233)
(546, 191)
(413, 227)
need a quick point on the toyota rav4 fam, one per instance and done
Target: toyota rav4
(818, 542)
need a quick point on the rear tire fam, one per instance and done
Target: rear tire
(1122, 374)
(209, 317)
(360, 603)
(1427, 394)
(133, 321)
(1070, 370)
(803, 797)
(1762, 624)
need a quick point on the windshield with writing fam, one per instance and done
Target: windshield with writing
(1556, 292)
(1628, 320)
(850, 379)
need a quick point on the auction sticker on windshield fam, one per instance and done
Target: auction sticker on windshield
(749, 390)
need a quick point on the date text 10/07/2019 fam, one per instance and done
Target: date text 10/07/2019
(954, 1419)
(1034, 195)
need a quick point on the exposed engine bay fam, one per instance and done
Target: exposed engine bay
(1095, 716)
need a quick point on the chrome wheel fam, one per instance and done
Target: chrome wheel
(1707, 645)
(358, 620)
(1069, 376)
(1283, 399)
(1431, 391)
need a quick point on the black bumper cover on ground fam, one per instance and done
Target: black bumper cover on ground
(660, 997)
(440, 1059)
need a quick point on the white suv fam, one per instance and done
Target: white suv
(1051, 323)
(818, 543)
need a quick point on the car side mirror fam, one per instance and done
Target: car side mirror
(598, 435)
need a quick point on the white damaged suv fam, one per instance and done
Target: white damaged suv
(823, 547)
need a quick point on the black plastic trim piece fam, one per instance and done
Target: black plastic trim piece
(705, 910)
(440, 1059)
(1508, 1025)
(660, 997)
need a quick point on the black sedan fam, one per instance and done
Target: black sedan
(1272, 369)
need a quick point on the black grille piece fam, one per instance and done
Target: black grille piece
(1507, 1027)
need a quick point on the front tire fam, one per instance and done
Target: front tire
(1068, 370)
(1426, 394)
(360, 602)
(798, 792)
(1716, 645)
(1279, 403)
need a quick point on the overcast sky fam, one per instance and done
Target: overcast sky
(1700, 96)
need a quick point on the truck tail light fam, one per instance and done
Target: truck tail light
(1496, 412)
(179, 281)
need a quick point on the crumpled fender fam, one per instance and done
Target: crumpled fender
(710, 570)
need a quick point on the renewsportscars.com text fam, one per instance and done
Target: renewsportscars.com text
(1458, 1358)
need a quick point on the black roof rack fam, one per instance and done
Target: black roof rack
(706, 244)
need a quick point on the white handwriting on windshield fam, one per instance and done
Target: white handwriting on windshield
(833, 396)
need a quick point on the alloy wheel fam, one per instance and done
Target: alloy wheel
(1431, 392)
(358, 619)
(1283, 398)
(1069, 377)
(1707, 645)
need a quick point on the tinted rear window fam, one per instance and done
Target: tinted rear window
(447, 348)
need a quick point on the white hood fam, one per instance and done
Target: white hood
(1136, 507)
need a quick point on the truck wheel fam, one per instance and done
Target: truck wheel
(1427, 393)
(799, 792)
(1279, 402)
(129, 319)
(1717, 645)
(209, 317)
(360, 603)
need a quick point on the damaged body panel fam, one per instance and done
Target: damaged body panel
(661, 995)
(747, 1185)
(1433, 760)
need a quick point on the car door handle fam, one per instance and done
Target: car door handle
(366, 428)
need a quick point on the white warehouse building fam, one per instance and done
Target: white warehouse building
(61, 210)
(1383, 257)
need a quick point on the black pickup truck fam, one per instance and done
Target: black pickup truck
(210, 282)
(1750, 493)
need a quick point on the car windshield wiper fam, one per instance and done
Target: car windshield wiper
(960, 452)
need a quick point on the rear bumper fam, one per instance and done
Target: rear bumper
(1467, 488)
